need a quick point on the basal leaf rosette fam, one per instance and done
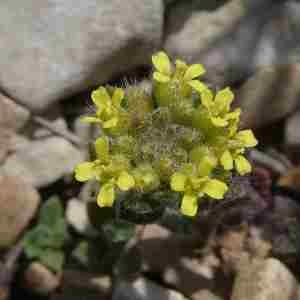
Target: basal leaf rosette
(183, 137)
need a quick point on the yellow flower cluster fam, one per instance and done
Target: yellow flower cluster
(183, 137)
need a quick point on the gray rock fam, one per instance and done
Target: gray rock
(5, 141)
(298, 294)
(77, 217)
(18, 204)
(191, 27)
(206, 295)
(18, 142)
(38, 279)
(83, 130)
(143, 289)
(234, 39)
(53, 49)
(59, 124)
(269, 95)
(12, 118)
(82, 285)
(292, 132)
(264, 279)
(232, 250)
(12, 115)
(43, 161)
(171, 255)
(286, 207)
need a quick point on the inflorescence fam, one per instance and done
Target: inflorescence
(182, 137)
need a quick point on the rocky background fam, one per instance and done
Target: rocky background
(54, 243)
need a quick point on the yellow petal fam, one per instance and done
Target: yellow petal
(215, 188)
(234, 115)
(193, 71)
(84, 171)
(223, 100)
(197, 86)
(162, 63)
(161, 77)
(242, 165)
(102, 148)
(90, 120)
(125, 181)
(106, 195)
(233, 127)
(101, 97)
(247, 138)
(189, 205)
(178, 181)
(180, 64)
(227, 160)
(111, 123)
(207, 98)
(219, 122)
(117, 97)
(206, 165)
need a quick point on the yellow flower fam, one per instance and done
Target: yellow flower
(108, 108)
(183, 73)
(106, 195)
(111, 171)
(234, 157)
(219, 108)
(196, 183)
(163, 66)
(180, 137)
(92, 170)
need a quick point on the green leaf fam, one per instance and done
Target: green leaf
(51, 212)
(32, 249)
(41, 236)
(45, 236)
(59, 234)
(119, 231)
(53, 259)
